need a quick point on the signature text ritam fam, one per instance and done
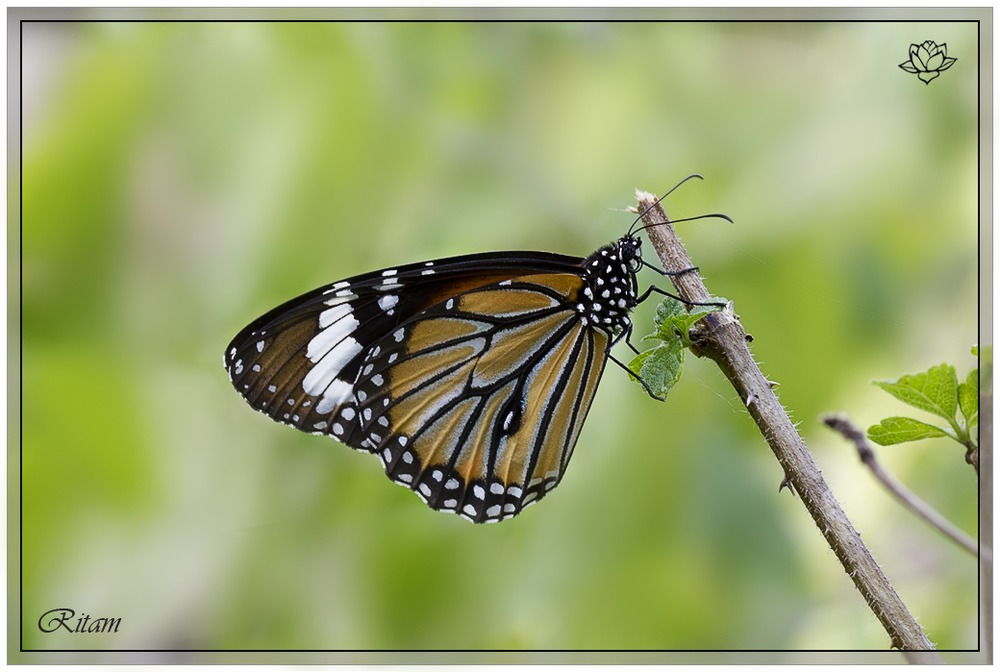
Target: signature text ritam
(66, 620)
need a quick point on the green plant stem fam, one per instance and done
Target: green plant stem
(961, 433)
(721, 337)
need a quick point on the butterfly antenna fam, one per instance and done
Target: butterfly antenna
(660, 199)
(712, 215)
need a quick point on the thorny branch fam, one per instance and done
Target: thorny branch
(721, 337)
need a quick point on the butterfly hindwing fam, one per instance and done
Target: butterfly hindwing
(476, 402)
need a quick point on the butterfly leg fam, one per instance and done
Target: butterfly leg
(642, 382)
(626, 335)
(653, 288)
(668, 274)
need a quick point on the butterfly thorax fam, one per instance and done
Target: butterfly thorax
(611, 289)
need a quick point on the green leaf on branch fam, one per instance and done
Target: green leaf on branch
(935, 391)
(968, 399)
(938, 392)
(674, 319)
(900, 430)
(660, 367)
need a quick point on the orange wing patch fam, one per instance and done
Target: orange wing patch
(476, 404)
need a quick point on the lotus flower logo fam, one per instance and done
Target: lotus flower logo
(927, 60)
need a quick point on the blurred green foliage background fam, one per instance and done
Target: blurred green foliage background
(179, 179)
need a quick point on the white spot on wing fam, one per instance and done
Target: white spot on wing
(389, 281)
(339, 311)
(337, 392)
(319, 379)
(388, 302)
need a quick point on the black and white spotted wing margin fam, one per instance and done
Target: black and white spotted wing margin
(468, 377)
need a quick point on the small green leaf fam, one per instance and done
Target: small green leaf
(968, 398)
(674, 319)
(935, 391)
(668, 312)
(900, 430)
(635, 366)
(660, 367)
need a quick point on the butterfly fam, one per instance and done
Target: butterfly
(468, 377)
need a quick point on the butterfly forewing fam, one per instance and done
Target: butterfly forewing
(297, 363)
